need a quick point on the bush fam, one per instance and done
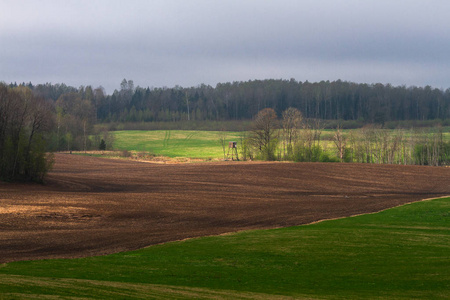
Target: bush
(313, 154)
(325, 157)
(126, 154)
(102, 145)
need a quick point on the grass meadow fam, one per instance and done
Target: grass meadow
(176, 143)
(399, 253)
(206, 145)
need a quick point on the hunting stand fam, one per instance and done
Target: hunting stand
(232, 147)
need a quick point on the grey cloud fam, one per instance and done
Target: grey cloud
(163, 43)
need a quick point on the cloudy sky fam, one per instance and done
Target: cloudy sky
(188, 42)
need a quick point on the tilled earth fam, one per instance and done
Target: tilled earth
(94, 206)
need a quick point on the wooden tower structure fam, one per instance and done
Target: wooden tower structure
(232, 151)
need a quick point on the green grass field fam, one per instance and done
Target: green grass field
(175, 143)
(400, 253)
(200, 144)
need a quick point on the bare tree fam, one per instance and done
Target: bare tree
(312, 131)
(291, 121)
(77, 116)
(222, 140)
(245, 149)
(40, 119)
(435, 147)
(340, 141)
(263, 134)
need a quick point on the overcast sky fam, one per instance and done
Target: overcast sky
(189, 42)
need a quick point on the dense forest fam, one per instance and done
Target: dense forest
(335, 100)
(50, 117)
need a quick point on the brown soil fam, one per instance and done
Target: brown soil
(94, 206)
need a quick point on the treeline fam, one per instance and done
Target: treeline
(292, 138)
(335, 100)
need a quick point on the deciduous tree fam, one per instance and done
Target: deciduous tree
(292, 120)
(25, 119)
(340, 141)
(264, 134)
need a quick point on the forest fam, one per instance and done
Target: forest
(53, 117)
(335, 100)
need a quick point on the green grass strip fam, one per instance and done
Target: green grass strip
(175, 143)
(400, 253)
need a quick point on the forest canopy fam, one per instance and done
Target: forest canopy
(326, 100)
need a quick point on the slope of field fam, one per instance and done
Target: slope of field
(399, 253)
(93, 206)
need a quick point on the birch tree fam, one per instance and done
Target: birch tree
(292, 120)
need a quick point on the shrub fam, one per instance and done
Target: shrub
(102, 145)
(126, 153)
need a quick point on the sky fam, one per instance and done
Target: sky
(163, 43)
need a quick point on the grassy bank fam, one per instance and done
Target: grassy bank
(400, 253)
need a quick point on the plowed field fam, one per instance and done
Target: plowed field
(95, 206)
